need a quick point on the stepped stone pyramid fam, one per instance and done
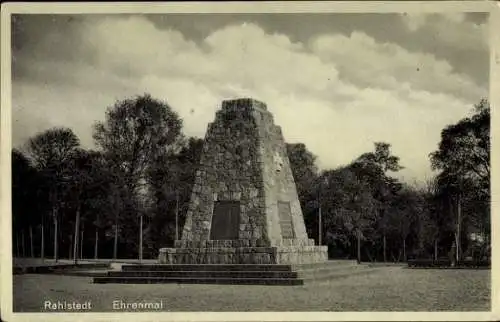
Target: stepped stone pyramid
(244, 207)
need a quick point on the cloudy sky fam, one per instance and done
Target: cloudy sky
(336, 82)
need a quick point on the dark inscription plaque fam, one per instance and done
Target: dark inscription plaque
(286, 224)
(225, 220)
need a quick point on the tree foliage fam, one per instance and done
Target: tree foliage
(135, 134)
(464, 150)
(144, 167)
(29, 197)
(463, 180)
(171, 178)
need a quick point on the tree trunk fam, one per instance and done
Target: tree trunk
(31, 243)
(359, 247)
(140, 239)
(81, 243)
(22, 243)
(17, 246)
(319, 227)
(370, 258)
(385, 258)
(77, 229)
(42, 251)
(96, 243)
(54, 212)
(435, 250)
(176, 216)
(71, 245)
(404, 250)
(115, 247)
(459, 215)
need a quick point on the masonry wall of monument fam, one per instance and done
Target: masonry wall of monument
(279, 185)
(244, 206)
(230, 170)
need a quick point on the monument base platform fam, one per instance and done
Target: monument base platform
(235, 274)
(244, 255)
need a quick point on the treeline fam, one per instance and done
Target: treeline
(133, 189)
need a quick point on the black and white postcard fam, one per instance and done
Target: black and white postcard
(249, 161)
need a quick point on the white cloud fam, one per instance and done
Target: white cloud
(451, 28)
(388, 65)
(302, 86)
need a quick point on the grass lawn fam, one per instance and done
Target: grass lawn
(385, 289)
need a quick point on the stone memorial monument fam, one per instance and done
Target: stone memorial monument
(244, 207)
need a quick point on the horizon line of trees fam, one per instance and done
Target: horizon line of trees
(128, 197)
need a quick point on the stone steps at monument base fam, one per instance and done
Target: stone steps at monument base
(244, 274)
(198, 280)
(203, 274)
(235, 267)
(234, 277)
(208, 267)
(308, 272)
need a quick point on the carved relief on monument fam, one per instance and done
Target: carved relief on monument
(278, 162)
